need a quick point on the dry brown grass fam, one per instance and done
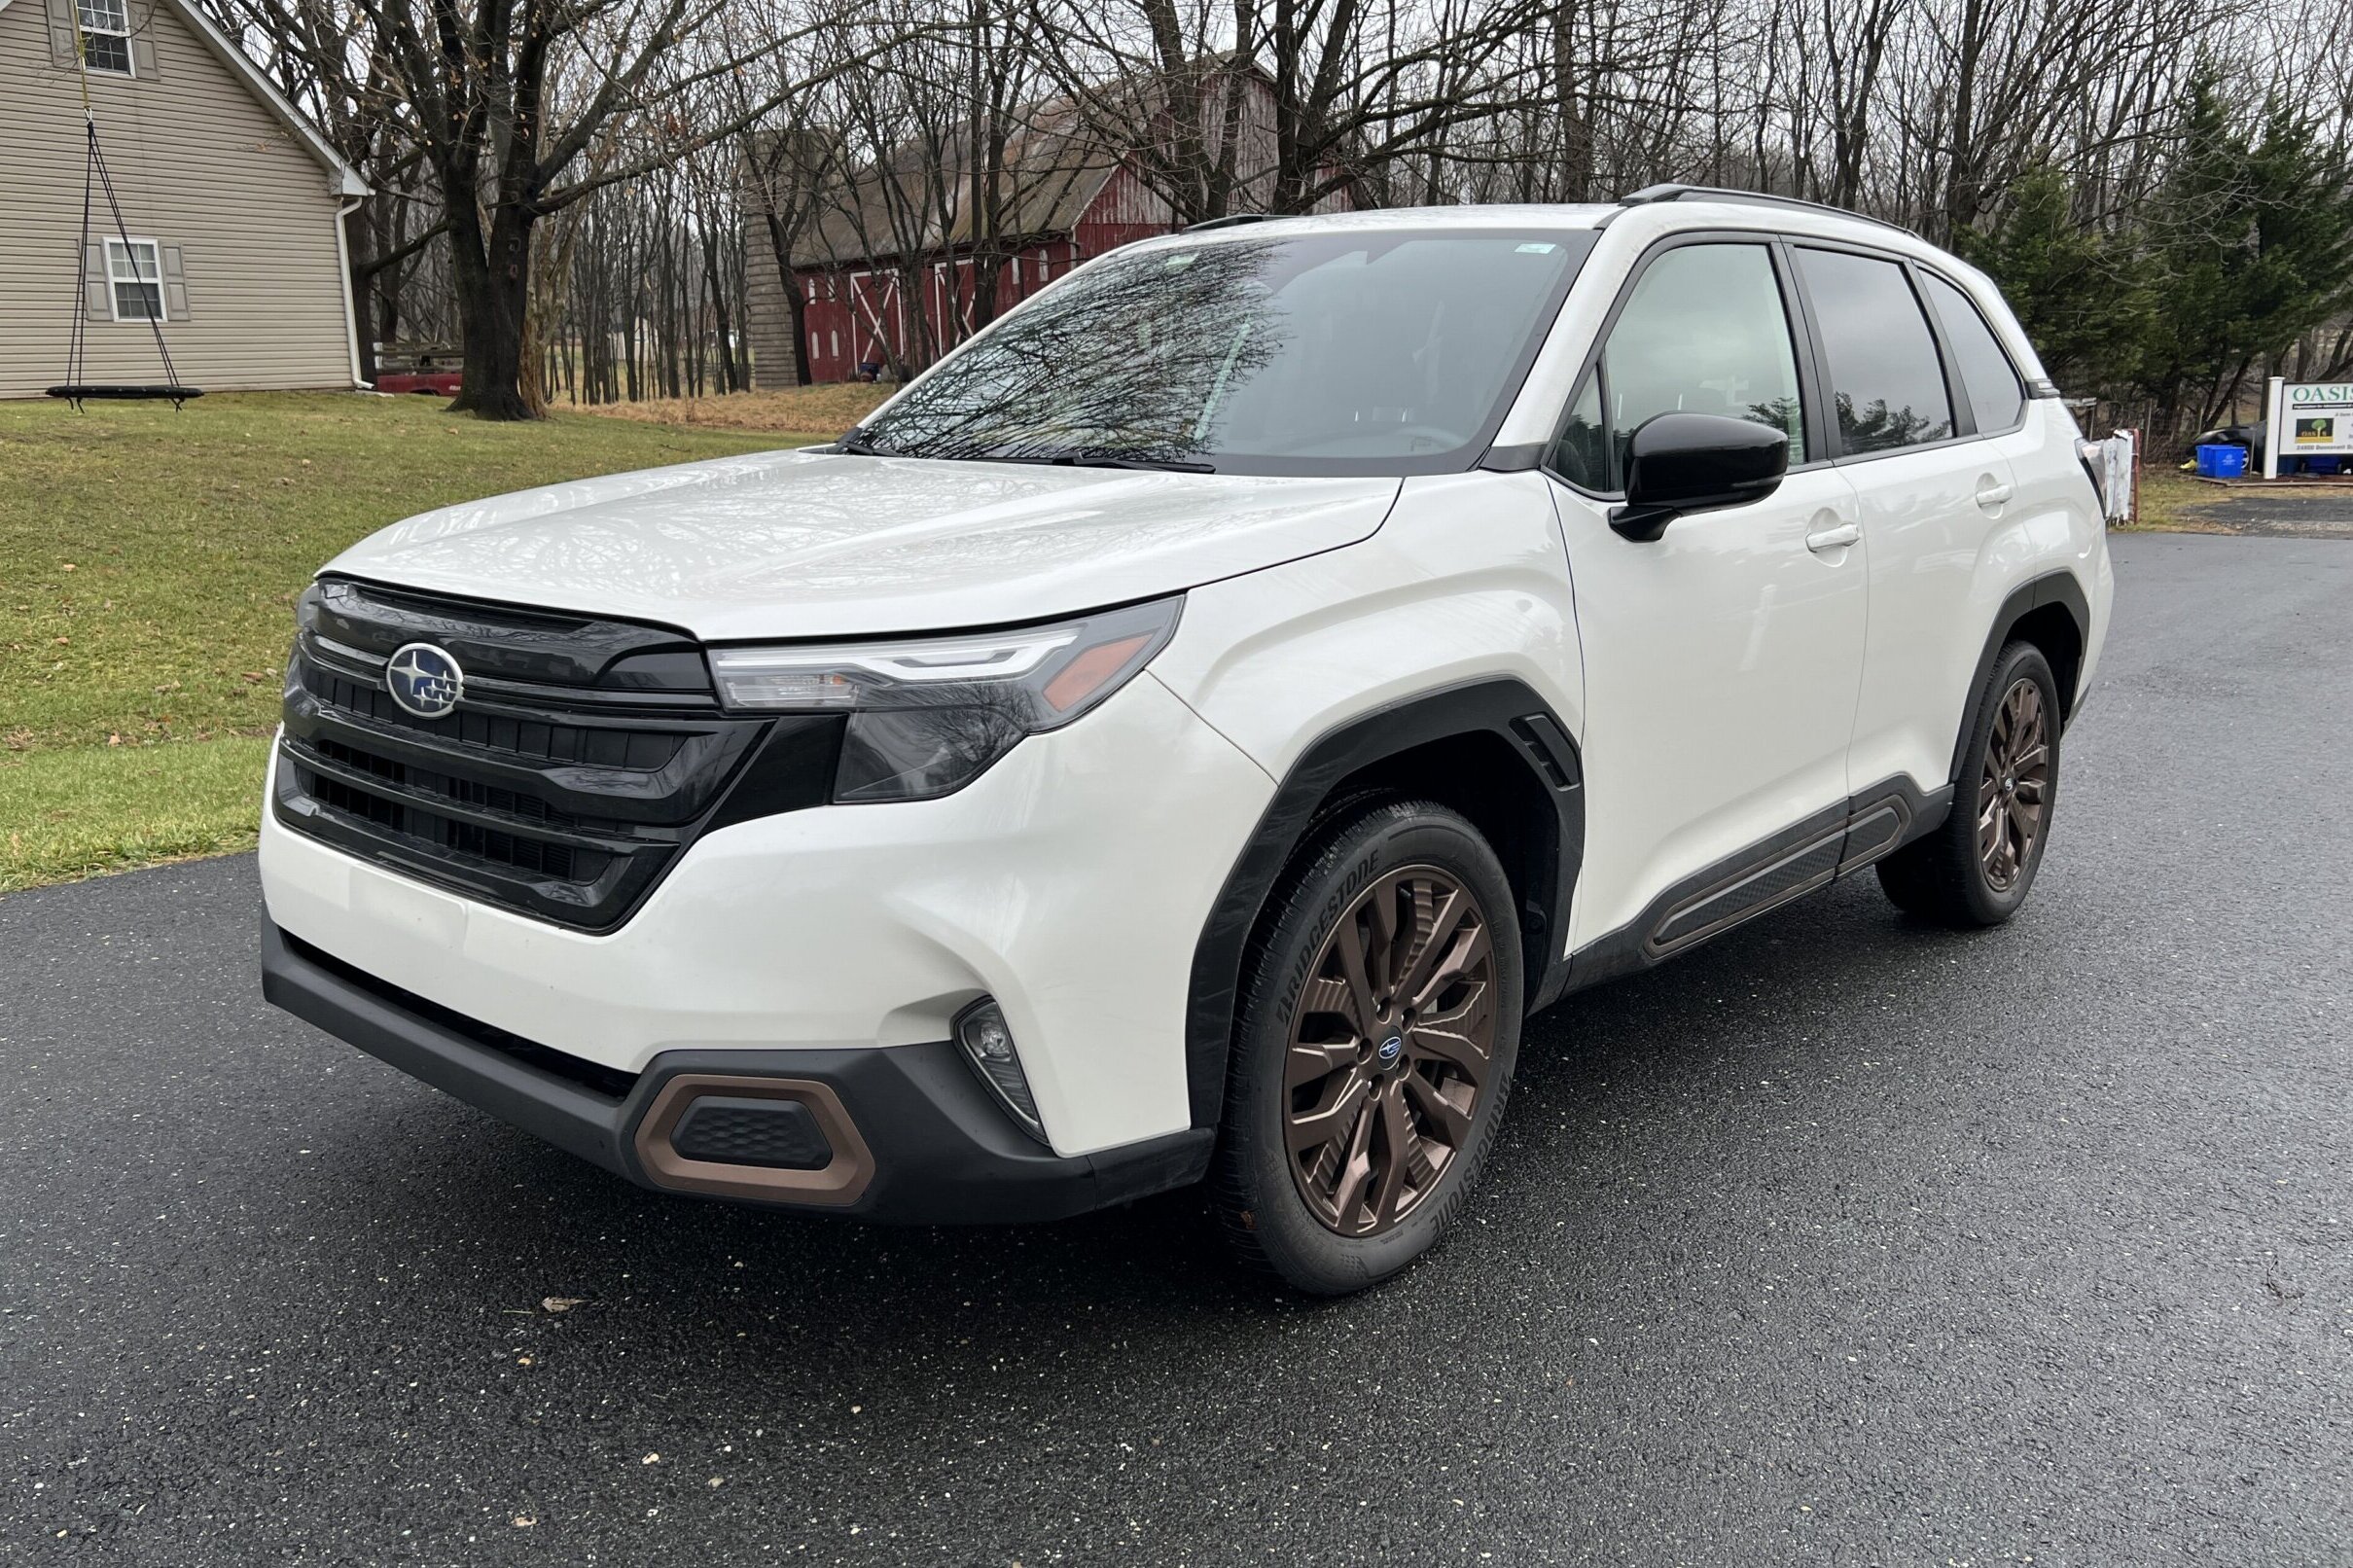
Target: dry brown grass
(2172, 500)
(2169, 503)
(819, 412)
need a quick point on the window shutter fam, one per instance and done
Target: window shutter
(99, 303)
(63, 47)
(175, 285)
(143, 42)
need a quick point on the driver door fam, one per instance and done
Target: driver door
(1723, 661)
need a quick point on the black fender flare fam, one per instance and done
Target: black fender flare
(1503, 705)
(2052, 587)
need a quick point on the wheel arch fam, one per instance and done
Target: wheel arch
(2050, 612)
(1492, 749)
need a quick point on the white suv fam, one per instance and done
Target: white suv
(1185, 732)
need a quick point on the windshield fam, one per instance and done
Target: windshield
(1378, 352)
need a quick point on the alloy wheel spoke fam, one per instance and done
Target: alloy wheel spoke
(1463, 1016)
(1356, 1170)
(1452, 1120)
(1381, 907)
(1364, 1012)
(1468, 951)
(1397, 1139)
(1336, 1117)
(1311, 1060)
(1458, 1050)
(1327, 993)
(1446, 917)
(2030, 707)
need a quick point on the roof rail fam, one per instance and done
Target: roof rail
(1651, 193)
(1232, 219)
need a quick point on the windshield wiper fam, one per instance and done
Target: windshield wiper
(1163, 465)
(1166, 465)
(853, 440)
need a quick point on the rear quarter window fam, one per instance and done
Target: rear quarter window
(1995, 395)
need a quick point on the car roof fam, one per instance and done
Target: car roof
(1690, 207)
(1525, 215)
(1651, 219)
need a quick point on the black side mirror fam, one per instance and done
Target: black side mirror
(1691, 462)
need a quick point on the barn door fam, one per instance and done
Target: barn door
(877, 319)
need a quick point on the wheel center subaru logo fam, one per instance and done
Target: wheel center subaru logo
(424, 680)
(1392, 1047)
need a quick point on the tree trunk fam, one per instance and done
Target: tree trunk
(1576, 124)
(493, 287)
(722, 319)
(780, 246)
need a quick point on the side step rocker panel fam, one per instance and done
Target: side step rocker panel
(1801, 860)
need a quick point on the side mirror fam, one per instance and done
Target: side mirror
(1692, 462)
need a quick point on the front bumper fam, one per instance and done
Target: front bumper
(1071, 882)
(907, 1133)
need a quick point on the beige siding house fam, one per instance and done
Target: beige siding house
(233, 204)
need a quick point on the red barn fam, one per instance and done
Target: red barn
(887, 262)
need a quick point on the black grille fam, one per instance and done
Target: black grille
(564, 797)
(542, 738)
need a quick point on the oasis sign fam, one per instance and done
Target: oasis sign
(2307, 419)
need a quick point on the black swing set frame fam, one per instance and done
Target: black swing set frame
(94, 178)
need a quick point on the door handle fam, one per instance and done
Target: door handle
(1991, 494)
(1838, 538)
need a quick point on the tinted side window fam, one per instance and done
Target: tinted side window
(1582, 455)
(1703, 333)
(1885, 380)
(1994, 394)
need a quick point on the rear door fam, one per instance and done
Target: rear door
(1722, 660)
(1931, 494)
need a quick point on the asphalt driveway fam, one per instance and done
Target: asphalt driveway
(1841, 1241)
(2316, 512)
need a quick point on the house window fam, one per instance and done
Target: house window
(134, 275)
(106, 35)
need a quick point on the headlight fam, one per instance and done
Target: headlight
(929, 716)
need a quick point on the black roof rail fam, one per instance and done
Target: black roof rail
(1651, 193)
(1232, 219)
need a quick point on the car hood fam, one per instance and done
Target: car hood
(814, 544)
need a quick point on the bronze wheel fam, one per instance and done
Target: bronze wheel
(1976, 866)
(1392, 1042)
(2014, 785)
(1376, 1028)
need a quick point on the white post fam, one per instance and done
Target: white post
(2273, 398)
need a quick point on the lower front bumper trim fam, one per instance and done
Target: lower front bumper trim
(914, 1138)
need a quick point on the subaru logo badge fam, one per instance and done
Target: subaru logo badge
(424, 680)
(1391, 1049)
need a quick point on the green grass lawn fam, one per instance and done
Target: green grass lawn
(149, 563)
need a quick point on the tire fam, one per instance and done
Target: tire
(1345, 1214)
(1967, 873)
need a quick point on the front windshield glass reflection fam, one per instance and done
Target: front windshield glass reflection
(1380, 352)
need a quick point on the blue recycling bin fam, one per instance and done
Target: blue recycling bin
(2221, 462)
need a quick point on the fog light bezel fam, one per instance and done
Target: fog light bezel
(1011, 1091)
